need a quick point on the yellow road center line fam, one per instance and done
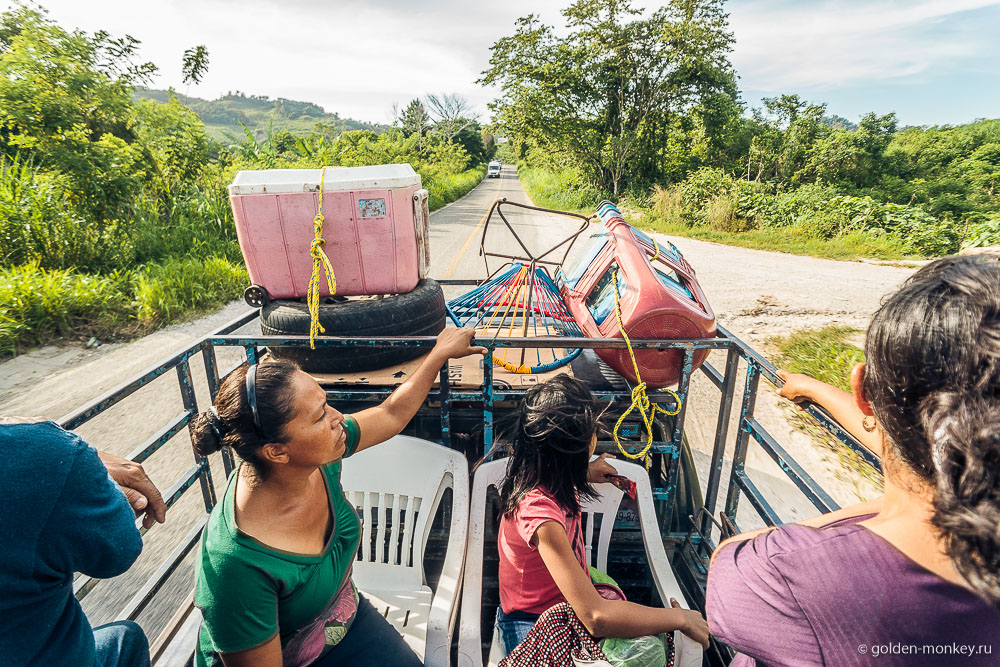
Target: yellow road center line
(465, 246)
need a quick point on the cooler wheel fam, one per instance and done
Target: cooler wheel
(256, 296)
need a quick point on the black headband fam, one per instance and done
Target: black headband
(252, 397)
(214, 422)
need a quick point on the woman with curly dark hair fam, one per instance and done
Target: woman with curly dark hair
(912, 577)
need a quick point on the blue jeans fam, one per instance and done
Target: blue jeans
(371, 641)
(121, 644)
(514, 627)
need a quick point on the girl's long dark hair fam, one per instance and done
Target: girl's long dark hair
(933, 381)
(549, 446)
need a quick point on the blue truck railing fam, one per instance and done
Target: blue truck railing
(742, 365)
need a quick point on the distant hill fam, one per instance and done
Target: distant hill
(839, 123)
(222, 117)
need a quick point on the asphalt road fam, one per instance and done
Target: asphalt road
(457, 230)
(55, 381)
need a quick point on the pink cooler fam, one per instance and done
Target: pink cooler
(375, 228)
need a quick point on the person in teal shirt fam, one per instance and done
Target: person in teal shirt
(274, 576)
(67, 508)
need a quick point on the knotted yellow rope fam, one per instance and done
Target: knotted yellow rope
(320, 260)
(503, 363)
(640, 400)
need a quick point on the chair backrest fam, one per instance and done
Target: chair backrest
(397, 487)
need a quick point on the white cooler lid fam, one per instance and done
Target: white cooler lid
(337, 178)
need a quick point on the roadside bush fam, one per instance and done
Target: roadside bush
(711, 198)
(168, 290)
(562, 189)
(38, 223)
(446, 188)
(983, 234)
(917, 230)
(791, 207)
(701, 187)
(38, 304)
(189, 219)
(665, 204)
(723, 213)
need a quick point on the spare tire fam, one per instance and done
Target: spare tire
(419, 312)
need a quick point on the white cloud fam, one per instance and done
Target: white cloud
(357, 57)
(350, 56)
(825, 45)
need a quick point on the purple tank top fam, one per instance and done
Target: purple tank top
(840, 596)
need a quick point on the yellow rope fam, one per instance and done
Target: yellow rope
(640, 400)
(522, 369)
(320, 260)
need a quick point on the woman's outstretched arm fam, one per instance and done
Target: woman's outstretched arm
(841, 405)
(380, 423)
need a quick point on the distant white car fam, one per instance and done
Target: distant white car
(493, 170)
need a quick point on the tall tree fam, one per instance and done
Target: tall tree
(451, 114)
(415, 120)
(608, 94)
(65, 104)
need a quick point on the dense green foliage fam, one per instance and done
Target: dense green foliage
(114, 214)
(627, 99)
(646, 110)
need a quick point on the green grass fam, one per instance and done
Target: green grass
(167, 291)
(447, 188)
(561, 190)
(39, 306)
(824, 354)
(793, 240)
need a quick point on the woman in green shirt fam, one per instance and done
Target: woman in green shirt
(274, 577)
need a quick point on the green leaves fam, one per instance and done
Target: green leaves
(195, 64)
(606, 94)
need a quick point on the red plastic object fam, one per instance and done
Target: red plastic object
(659, 296)
(625, 484)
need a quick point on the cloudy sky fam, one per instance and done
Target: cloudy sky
(930, 61)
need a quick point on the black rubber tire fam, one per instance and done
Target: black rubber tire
(419, 312)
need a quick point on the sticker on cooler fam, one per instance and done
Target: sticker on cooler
(371, 208)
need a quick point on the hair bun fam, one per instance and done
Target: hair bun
(206, 432)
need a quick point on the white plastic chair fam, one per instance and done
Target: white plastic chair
(397, 487)
(688, 653)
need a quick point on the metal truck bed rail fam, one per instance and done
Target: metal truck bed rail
(742, 364)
